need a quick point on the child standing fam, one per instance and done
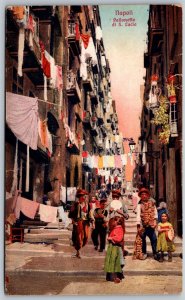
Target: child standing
(164, 244)
(114, 261)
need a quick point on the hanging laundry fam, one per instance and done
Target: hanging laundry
(63, 194)
(31, 23)
(89, 52)
(20, 50)
(18, 12)
(111, 161)
(59, 81)
(118, 162)
(107, 146)
(95, 161)
(28, 207)
(100, 162)
(77, 32)
(106, 161)
(45, 88)
(45, 65)
(83, 67)
(144, 150)
(124, 159)
(53, 69)
(98, 33)
(103, 61)
(43, 133)
(22, 118)
(48, 213)
(85, 38)
(90, 162)
(117, 138)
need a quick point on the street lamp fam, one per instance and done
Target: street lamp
(153, 154)
(132, 145)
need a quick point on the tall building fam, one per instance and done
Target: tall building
(58, 79)
(161, 139)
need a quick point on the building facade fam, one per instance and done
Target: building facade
(56, 54)
(160, 168)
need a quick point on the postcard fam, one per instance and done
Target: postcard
(93, 148)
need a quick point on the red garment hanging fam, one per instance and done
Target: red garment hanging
(46, 66)
(85, 39)
(77, 32)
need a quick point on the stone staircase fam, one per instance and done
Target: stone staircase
(56, 234)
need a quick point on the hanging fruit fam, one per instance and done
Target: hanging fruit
(154, 77)
(172, 99)
(170, 79)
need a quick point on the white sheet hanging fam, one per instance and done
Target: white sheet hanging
(22, 118)
(20, 50)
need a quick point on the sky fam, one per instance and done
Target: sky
(125, 46)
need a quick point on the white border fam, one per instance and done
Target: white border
(4, 3)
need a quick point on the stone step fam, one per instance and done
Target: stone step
(66, 265)
(89, 249)
(32, 222)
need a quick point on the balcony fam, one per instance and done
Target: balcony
(32, 54)
(88, 83)
(94, 96)
(44, 13)
(155, 40)
(94, 127)
(100, 143)
(100, 120)
(72, 88)
(72, 147)
(74, 44)
(86, 161)
(86, 118)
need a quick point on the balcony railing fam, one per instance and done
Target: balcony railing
(86, 117)
(74, 44)
(94, 96)
(73, 90)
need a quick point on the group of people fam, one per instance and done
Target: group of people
(106, 218)
(149, 220)
(102, 216)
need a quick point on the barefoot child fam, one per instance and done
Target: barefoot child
(114, 261)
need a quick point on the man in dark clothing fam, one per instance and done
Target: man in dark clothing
(101, 223)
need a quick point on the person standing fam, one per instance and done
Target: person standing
(114, 261)
(101, 224)
(103, 193)
(164, 244)
(81, 216)
(118, 208)
(147, 220)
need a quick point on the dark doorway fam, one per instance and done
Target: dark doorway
(178, 192)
